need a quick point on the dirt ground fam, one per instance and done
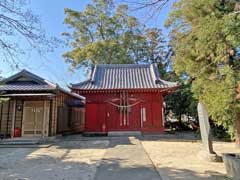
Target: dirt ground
(67, 160)
(78, 158)
(179, 161)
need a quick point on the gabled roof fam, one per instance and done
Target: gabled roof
(28, 74)
(124, 76)
(25, 81)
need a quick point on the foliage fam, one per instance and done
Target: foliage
(158, 51)
(220, 132)
(182, 102)
(19, 24)
(103, 33)
(205, 38)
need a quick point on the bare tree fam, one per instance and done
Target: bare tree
(18, 26)
(153, 7)
(148, 3)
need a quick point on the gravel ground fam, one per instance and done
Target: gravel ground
(67, 160)
(179, 161)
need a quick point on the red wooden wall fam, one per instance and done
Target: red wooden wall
(100, 113)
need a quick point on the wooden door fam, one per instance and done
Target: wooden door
(33, 117)
(91, 118)
(146, 115)
(38, 121)
(135, 118)
(123, 114)
(63, 121)
(111, 118)
(123, 121)
(28, 121)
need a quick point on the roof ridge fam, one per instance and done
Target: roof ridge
(122, 65)
(27, 73)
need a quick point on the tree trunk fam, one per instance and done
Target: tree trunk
(180, 120)
(238, 130)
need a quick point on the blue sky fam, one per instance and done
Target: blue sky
(52, 15)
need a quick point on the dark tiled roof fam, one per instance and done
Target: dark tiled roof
(25, 87)
(30, 83)
(124, 76)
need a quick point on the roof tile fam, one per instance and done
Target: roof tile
(124, 76)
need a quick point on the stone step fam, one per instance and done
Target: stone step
(124, 133)
(26, 141)
(18, 142)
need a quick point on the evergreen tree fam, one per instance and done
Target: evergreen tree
(205, 38)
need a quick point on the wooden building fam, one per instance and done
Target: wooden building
(32, 106)
(124, 98)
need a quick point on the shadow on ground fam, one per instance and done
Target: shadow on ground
(79, 141)
(114, 169)
(62, 161)
(66, 167)
(176, 136)
(77, 159)
(45, 167)
(169, 173)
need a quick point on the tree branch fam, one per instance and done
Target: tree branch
(18, 22)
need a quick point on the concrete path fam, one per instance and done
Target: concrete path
(126, 159)
(66, 160)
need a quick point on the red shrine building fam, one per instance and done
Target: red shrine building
(125, 97)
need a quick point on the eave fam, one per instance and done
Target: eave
(152, 90)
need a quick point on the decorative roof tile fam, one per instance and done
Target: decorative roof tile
(124, 76)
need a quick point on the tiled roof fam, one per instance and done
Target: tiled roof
(25, 87)
(25, 81)
(124, 76)
(32, 83)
